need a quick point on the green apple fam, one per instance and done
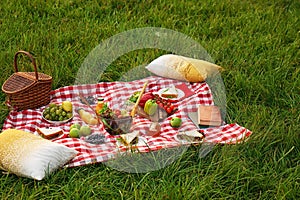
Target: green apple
(176, 122)
(74, 133)
(85, 130)
(150, 107)
(76, 125)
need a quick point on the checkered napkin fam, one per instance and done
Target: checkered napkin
(117, 93)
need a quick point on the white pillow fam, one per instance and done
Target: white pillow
(183, 68)
(29, 155)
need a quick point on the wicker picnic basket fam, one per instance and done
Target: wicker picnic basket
(27, 90)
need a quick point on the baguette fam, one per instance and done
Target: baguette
(133, 111)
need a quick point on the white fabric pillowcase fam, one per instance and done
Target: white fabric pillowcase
(31, 156)
(183, 68)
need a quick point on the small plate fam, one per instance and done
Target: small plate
(141, 142)
(186, 141)
(180, 93)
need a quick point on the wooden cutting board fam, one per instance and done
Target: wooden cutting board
(209, 115)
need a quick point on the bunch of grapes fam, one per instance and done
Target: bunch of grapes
(165, 104)
(95, 139)
(55, 112)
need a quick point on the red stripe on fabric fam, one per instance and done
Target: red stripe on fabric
(116, 93)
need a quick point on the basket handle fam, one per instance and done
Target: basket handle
(31, 58)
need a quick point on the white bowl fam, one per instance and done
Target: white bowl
(57, 122)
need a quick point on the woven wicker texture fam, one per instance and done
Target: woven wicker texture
(27, 90)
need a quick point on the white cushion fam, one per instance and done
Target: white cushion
(183, 68)
(29, 155)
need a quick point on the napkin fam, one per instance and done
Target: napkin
(185, 89)
(209, 115)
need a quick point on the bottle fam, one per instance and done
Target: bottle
(87, 117)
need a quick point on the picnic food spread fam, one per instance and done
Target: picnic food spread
(100, 120)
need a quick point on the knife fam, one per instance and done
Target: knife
(194, 117)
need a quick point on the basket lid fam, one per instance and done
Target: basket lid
(16, 83)
(41, 76)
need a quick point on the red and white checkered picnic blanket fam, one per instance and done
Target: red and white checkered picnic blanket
(116, 93)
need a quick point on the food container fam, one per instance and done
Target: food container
(57, 116)
(117, 126)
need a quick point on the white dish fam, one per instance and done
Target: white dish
(58, 122)
(187, 141)
(180, 93)
(182, 141)
(141, 142)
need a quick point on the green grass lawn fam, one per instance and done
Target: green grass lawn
(258, 44)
